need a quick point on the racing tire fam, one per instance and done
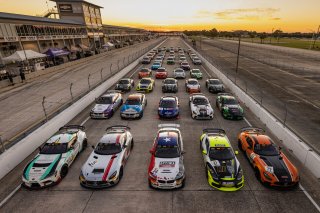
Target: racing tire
(84, 145)
(132, 144)
(150, 185)
(207, 170)
(257, 174)
(200, 146)
(121, 173)
(141, 115)
(240, 145)
(183, 183)
(64, 171)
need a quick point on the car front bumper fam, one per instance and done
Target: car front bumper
(130, 115)
(226, 185)
(171, 184)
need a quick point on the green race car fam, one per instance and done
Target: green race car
(196, 73)
(229, 106)
(146, 85)
(170, 61)
(223, 170)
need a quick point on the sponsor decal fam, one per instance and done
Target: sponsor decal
(65, 8)
(167, 140)
(216, 163)
(167, 164)
(269, 169)
(106, 172)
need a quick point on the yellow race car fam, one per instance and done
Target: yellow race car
(146, 85)
(223, 169)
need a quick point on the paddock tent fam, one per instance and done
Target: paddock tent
(55, 52)
(21, 56)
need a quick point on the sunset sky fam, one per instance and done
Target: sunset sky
(258, 15)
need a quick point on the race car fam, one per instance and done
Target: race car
(182, 58)
(166, 168)
(144, 72)
(105, 165)
(196, 73)
(196, 61)
(170, 85)
(161, 73)
(192, 86)
(271, 166)
(229, 106)
(179, 73)
(106, 105)
(200, 107)
(156, 65)
(170, 60)
(146, 85)
(125, 84)
(52, 163)
(223, 170)
(134, 106)
(168, 107)
(185, 66)
(214, 85)
(146, 60)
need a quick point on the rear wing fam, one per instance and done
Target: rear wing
(67, 127)
(214, 131)
(118, 127)
(169, 125)
(252, 130)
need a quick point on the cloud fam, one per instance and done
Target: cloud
(240, 14)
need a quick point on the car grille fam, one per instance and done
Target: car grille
(166, 181)
(35, 185)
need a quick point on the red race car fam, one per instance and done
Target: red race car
(271, 166)
(144, 73)
(161, 73)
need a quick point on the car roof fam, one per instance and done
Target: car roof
(261, 139)
(64, 137)
(111, 137)
(199, 96)
(195, 70)
(168, 138)
(135, 96)
(192, 79)
(218, 141)
(168, 98)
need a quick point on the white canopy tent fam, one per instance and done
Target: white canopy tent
(21, 56)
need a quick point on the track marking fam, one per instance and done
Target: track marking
(136, 71)
(85, 121)
(4, 201)
(206, 71)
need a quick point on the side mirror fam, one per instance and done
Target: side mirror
(183, 152)
(236, 152)
(92, 146)
(204, 152)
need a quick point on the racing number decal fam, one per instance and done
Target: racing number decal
(252, 157)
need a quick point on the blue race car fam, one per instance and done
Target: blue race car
(168, 107)
(156, 65)
(134, 106)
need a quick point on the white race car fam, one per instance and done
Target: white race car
(192, 86)
(200, 106)
(55, 157)
(105, 164)
(166, 168)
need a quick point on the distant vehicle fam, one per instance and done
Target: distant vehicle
(106, 105)
(52, 163)
(125, 84)
(223, 170)
(146, 60)
(134, 106)
(170, 60)
(146, 85)
(192, 55)
(270, 164)
(105, 165)
(161, 73)
(159, 58)
(179, 73)
(166, 168)
(182, 59)
(200, 107)
(229, 106)
(170, 85)
(185, 66)
(214, 85)
(144, 72)
(196, 61)
(192, 86)
(196, 73)
(168, 107)
(156, 65)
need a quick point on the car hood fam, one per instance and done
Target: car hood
(169, 85)
(38, 169)
(144, 85)
(199, 108)
(99, 108)
(215, 85)
(123, 85)
(278, 167)
(234, 109)
(131, 108)
(192, 86)
(226, 168)
(100, 167)
(166, 168)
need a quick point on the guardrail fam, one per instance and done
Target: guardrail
(17, 153)
(291, 141)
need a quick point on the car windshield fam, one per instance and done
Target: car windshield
(156, 63)
(170, 59)
(167, 152)
(179, 70)
(104, 100)
(221, 153)
(214, 82)
(169, 81)
(107, 148)
(145, 81)
(54, 148)
(230, 101)
(185, 64)
(196, 71)
(161, 70)
(193, 82)
(168, 104)
(124, 81)
(132, 102)
(200, 101)
(144, 70)
(266, 149)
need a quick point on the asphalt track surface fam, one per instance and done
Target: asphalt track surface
(132, 194)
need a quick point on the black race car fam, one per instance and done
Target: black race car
(125, 84)
(170, 85)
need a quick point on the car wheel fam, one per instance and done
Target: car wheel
(150, 185)
(141, 115)
(257, 174)
(207, 170)
(183, 183)
(200, 146)
(64, 171)
(132, 144)
(240, 145)
(84, 145)
(121, 173)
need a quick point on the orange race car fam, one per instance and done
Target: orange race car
(144, 73)
(271, 166)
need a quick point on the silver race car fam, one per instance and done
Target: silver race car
(166, 168)
(200, 106)
(55, 157)
(106, 105)
(105, 165)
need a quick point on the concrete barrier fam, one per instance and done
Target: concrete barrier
(291, 141)
(20, 151)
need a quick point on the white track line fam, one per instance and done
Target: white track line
(136, 71)
(85, 121)
(300, 186)
(206, 71)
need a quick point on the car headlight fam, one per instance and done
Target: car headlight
(113, 175)
(240, 174)
(160, 108)
(179, 175)
(194, 112)
(81, 176)
(266, 175)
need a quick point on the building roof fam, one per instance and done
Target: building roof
(121, 27)
(14, 16)
(83, 1)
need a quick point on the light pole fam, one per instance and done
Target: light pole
(271, 35)
(315, 38)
